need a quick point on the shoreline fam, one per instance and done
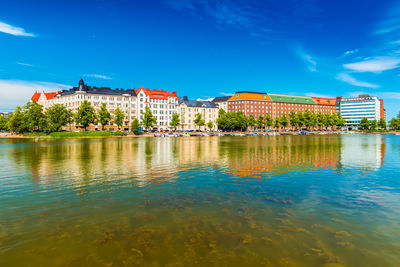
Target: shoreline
(200, 134)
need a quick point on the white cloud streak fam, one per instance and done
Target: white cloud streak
(98, 76)
(344, 77)
(18, 92)
(309, 60)
(376, 65)
(25, 64)
(9, 29)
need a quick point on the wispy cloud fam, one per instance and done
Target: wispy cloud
(345, 77)
(18, 92)
(25, 64)
(7, 28)
(375, 65)
(246, 15)
(349, 53)
(98, 76)
(383, 95)
(308, 59)
(226, 94)
(319, 95)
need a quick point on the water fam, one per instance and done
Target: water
(216, 201)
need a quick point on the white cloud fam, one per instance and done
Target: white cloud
(7, 28)
(375, 65)
(350, 52)
(17, 92)
(25, 64)
(226, 94)
(309, 60)
(98, 76)
(383, 95)
(344, 77)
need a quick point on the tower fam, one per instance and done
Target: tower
(82, 86)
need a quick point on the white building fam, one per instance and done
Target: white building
(222, 102)
(189, 108)
(161, 103)
(354, 109)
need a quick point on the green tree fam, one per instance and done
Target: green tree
(260, 121)
(198, 120)
(277, 123)
(284, 122)
(210, 125)
(252, 121)
(34, 117)
(57, 117)
(135, 126)
(293, 119)
(268, 121)
(329, 120)
(86, 115)
(103, 115)
(241, 121)
(3, 123)
(364, 124)
(320, 120)
(394, 123)
(119, 117)
(301, 119)
(307, 118)
(374, 124)
(382, 123)
(148, 119)
(222, 119)
(16, 121)
(175, 121)
(340, 121)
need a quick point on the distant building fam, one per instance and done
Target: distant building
(161, 103)
(43, 98)
(189, 108)
(258, 103)
(5, 114)
(222, 102)
(354, 109)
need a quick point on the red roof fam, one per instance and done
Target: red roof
(324, 101)
(157, 94)
(48, 96)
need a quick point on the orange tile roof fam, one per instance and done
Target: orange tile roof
(249, 96)
(48, 96)
(157, 94)
(324, 101)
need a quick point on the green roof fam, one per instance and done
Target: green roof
(292, 99)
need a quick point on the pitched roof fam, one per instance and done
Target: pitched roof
(156, 94)
(48, 96)
(292, 99)
(221, 98)
(195, 103)
(250, 96)
(324, 101)
(98, 90)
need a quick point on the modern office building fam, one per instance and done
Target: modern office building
(258, 103)
(161, 103)
(189, 108)
(354, 109)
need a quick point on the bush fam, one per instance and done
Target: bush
(119, 133)
(35, 134)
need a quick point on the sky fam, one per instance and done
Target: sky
(202, 48)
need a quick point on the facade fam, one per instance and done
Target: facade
(125, 100)
(354, 109)
(189, 108)
(161, 103)
(222, 102)
(257, 103)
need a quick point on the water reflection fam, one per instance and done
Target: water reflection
(273, 200)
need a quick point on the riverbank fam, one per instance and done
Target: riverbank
(180, 134)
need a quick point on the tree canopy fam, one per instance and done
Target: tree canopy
(148, 120)
(86, 115)
(103, 115)
(118, 117)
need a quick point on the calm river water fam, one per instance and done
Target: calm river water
(215, 201)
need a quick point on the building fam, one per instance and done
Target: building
(161, 103)
(354, 109)
(43, 98)
(258, 103)
(5, 114)
(189, 108)
(125, 100)
(222, 102)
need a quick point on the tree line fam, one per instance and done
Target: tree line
(366, 124)
(295, 120)
(32, 118)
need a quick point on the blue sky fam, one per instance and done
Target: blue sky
(202, 48)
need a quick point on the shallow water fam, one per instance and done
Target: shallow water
(216, 201)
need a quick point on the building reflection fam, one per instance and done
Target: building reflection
(140, 161)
